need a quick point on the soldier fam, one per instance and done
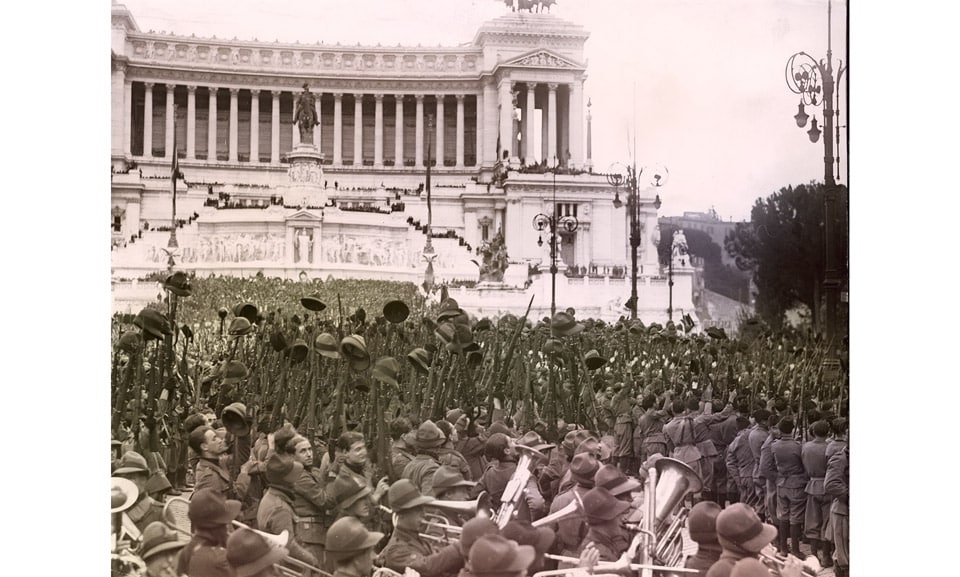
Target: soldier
(406, 547)
(791, 480)
(420, 470)
(497, 556)
(739, 461)
(622, 408)
(768, 472)
(499, 450)
(403, 448)
(250, 555)
(742, 535)
(312, 504)
(702, 525)
(210, 446)
(571, 530)
(604, 515)
(704, 439)
(275, 513)
(145, 509)
(817, 509)
(758, 434)
(351, 547)
(649, 429)
(159, 549)
(448, 455)
(210, 516)
(836, 485)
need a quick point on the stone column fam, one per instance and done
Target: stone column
(275, 127)
(288, 248)
(148, 119)
(338, 128)
(506, 118)
(378, 131)
(398, 132)
(234, 123)
(418, 159)
(440, 143)
(127, 115)
(470, 228)
(358, 129)
(168, 145)
(212, 127)
(551, 121)
(480, 130)
(191, 122)
(317, 129)
(532, 154)
(254, 125)
(576, 123)
(491, 124)
(118, 106)
(511, 232)
(460, 129)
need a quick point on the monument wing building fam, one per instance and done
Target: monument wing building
(455, 144)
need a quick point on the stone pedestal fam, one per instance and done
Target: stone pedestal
(306, 178)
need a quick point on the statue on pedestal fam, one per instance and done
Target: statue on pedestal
(679, 245)
(305, 114)
(494, 260)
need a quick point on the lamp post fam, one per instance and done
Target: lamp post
(429, 254)
(810, 79)
(554, 222)
(616, 179)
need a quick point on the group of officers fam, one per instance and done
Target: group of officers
(260, 501)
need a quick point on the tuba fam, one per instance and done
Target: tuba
(517, 486)
(669, 481)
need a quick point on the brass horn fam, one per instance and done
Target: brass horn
(480, 506)
(573, 508)
(674, 480)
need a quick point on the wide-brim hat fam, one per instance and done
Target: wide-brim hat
(552, 347)
(240, 326)
(278, 341)
(313, 303)
(283, 470)
(611, 478)
(354, 349)
(446, 332)
(404, 495)
(583, 469)
(234, 372)
(129, 342)
(386, 370)
(716, 333)
(702, 522)
(209, 508)
(153, 323)
(420, 359)
(131, 463)
(540, 538)
(396, 311)
(494, 554)
(158, 537)
(249, 552)
(246, 310)
(483, 324)
(447, 477)
(739, 527)
(565, 325)
(593, 360)
(178, 283)
(299, 351)
(600, 505)
(533, 440)
(123, 494)
(448, 308)
(157, 483)
(347, 537)
(326, 345)
(429, 435)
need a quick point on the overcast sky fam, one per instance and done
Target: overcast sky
(700, 82)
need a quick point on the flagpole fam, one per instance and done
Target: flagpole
(174, 173)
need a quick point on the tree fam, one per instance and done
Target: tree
(783, 246)
(717, 277)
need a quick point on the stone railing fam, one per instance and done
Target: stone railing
(238, 55)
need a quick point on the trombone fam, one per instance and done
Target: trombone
(274, 540)
(436, 521)
(775, 562)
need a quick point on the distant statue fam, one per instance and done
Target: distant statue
(305, 114)
(495, 260)
(679, 244)
(529, 5)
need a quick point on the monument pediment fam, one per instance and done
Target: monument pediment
(542, 58)
(305, 215)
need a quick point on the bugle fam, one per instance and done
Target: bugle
(772, 559)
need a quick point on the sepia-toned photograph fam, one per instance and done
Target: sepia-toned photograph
(479, 288)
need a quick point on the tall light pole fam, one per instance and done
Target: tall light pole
(615, 178)
(813, 80)
(428, 252)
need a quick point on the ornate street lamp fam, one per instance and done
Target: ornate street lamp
(658, 176)
(554, 222)
(813, 80)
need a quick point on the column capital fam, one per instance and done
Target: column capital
(531, 85)
(170, 87)
(191, 88)
(399, 96)
(358, 96)
(255, 92)
(276, 93)
(460, 97)
(234, 91)
(148, 85)
(338, 95)
(439, 97)
(378, 97)
(553, 86)
(419, 97)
